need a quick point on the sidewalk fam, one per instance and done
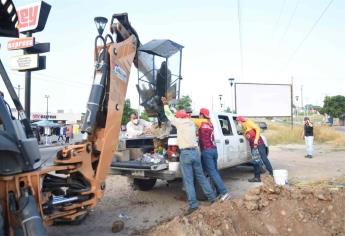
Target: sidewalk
(52, 141)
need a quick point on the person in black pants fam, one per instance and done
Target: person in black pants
(308, 136)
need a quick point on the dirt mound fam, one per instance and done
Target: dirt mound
(266, 210)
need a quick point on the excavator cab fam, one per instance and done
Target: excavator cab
(159, 74)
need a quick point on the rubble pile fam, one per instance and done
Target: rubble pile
(266, 210)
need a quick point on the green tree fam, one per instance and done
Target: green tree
(184, 103)
(334, 106)
(127, 110)
(228, 110)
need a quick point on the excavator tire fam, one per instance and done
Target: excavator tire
(144, 184)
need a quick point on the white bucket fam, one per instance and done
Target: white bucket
(280, 177)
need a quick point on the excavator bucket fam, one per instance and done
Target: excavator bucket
(159, 74)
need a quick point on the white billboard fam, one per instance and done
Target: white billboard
(263, 100)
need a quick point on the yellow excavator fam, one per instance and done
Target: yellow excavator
(33, 196)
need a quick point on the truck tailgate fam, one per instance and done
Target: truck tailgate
(138, 165)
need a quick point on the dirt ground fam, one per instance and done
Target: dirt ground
(266, 210)
(143, 210)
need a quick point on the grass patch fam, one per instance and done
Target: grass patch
(283, 134)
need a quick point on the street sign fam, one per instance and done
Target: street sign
(39, 48)
(24, 62)
(41, 64)
(33, 17)
(20, 43)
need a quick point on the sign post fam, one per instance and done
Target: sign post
(32, 18)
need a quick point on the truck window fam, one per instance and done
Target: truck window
(238, 127)
(225, 125)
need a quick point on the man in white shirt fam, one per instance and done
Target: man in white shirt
(190, 161)
(136, 127)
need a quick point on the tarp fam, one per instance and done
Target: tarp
(161, 47)
(46, 123)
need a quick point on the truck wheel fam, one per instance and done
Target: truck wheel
(198, 190)
(144, 184)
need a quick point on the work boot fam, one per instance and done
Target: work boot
(255, 179)
(190, 211)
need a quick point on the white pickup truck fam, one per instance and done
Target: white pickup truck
(233, 149)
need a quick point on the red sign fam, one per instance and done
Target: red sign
(20, 43)
(28, 17)
(36, 116)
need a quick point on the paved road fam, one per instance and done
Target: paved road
(48, 154)
(340, 128)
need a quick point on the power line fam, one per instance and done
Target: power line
(290, 21)
(240, 34)
(280, 14)
(309, 32)
(80, 83)
(60, 82)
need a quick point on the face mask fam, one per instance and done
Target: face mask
(135, 121)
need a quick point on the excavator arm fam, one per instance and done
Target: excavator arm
(33, 196)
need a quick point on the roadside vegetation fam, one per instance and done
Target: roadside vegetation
(284, 134)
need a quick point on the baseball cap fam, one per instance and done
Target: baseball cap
(205, 112)
(241, 119)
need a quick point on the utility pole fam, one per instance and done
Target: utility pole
(232, 95)
(302, 99)
(292, 102)
(18, 93)
(47, 97)
(18, 90)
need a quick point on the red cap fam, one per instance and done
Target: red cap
(181, 114)
(205, 112)
(241, 119)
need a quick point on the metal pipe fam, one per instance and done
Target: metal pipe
(57, 200)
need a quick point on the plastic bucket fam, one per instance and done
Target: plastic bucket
(280, 177)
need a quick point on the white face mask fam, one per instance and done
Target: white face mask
(135, 121)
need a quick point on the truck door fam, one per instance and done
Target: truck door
(229, 142)
(244, 148)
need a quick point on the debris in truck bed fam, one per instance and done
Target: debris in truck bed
(153, 158)
(266, 210)
(160, 132)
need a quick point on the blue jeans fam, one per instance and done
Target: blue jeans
(190, 164)
(267, 163)
(209, 161)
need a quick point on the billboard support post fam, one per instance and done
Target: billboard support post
(291, 102)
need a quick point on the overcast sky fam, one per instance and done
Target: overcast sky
(279, 39)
